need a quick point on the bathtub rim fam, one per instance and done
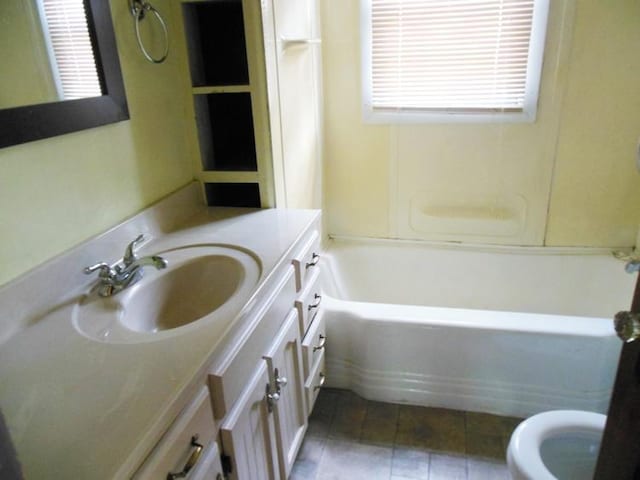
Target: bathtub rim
(480, 247)
(335, 285)
(495, 320)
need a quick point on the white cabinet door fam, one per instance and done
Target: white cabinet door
(248, 434)
(286, 375)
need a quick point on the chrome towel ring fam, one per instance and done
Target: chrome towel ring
(139, 9)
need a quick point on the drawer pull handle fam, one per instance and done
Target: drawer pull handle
(191, 462)
(315, 258)
(323, 378)
(318, 299)
(320, 346)
(272, 397)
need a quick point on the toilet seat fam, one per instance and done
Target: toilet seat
(523, 453)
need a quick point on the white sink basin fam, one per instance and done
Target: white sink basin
(202, 284)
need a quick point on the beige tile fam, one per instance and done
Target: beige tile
(487, 470)
(349, 416)
(343, 460)
(380, 423)
(435, 429)
(410, 463)
(447, 467)
(490, 424)
(485, 446)
(308, 460)
(322, 415)
(351, 438)
(509, 424)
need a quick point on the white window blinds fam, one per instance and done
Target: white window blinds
(70, 45)
(461, 57)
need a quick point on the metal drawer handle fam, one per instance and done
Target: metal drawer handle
(320, 346)
(272, 397)
(191, 462)
(323, 378)
(315, 258)
(318, 299)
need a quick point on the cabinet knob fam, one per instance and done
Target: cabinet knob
(280, 381)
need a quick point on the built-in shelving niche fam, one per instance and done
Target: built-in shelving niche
(232, 194)
(235, 166)
(216, 42)
(225, 128)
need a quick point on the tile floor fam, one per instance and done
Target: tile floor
(350, 438)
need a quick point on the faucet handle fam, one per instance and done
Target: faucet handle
(130, 253)
(104, 268)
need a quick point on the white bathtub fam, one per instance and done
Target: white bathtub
(505, 330)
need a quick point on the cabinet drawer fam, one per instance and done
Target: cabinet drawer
(209, 467)
(178, 446)
(313, 344)
(228, 375)
(314, 382)
(308, 302)
(305, 262)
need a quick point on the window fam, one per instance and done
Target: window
(70, 48)
(452, 60)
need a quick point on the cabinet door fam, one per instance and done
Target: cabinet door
(248, 434)
(285, 372)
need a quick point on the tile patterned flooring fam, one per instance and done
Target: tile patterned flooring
(350, 438)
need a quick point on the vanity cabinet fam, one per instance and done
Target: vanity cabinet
(263, 432)
(146, 404)
(189, 443)
(308, 302)
(262, 384)
(248, 433)
(286, 379)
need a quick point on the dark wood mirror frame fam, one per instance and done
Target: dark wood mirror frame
(35, 122)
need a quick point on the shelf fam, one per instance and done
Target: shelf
(229, 177)
(232, 194)
(205, 90)
(225, 126)
(224, 39)
(216, 41)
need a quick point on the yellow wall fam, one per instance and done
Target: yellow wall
(596, 189)
(492, 183)
(57, 192)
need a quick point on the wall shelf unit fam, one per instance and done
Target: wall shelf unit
(227, 65)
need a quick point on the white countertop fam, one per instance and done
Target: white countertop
(77, 408)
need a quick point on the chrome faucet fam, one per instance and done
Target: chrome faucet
(117, 277)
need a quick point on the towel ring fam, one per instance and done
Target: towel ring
(139, 8)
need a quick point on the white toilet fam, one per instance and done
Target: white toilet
(556, 445)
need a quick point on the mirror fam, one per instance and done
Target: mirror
(34, 109)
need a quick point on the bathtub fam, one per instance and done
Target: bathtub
(504, 330)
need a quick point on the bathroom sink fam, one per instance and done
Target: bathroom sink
(202, 284)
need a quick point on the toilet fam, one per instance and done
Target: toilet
(556, 445)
